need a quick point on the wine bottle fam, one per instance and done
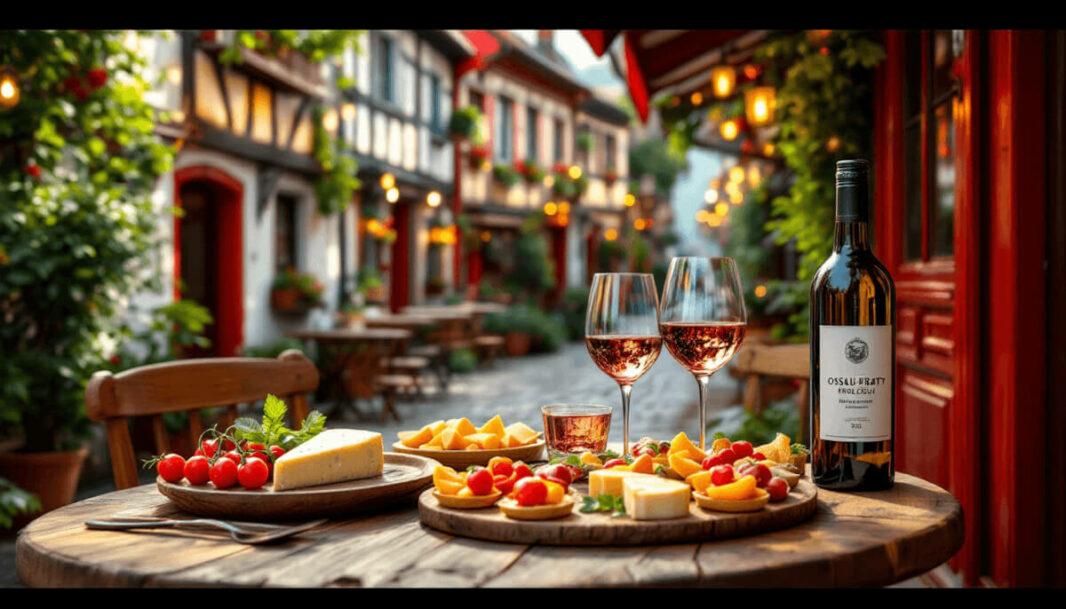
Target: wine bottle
(853, 350)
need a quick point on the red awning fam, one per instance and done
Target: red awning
(659, 59)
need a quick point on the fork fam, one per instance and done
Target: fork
(237, 533)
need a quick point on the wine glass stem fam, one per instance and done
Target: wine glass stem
(626, 391)
(703, 380)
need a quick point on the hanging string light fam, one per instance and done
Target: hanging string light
(433, 199)
(729, 130)
(387, 181)
(736, 174)
(392, 195)
(723, 81)
(696, 98)
(610, 234)
(721, 209)
(710, 196)
(630, 199)
(10, 92)
(759, 104)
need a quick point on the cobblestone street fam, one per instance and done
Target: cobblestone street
(664, 402)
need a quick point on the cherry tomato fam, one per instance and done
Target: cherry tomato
(614, 463)
(761, 472)
(758, 456)
(253, 446)
(224, 473)
(557, 472)
(254, 473)
(199, 452)
(521, 470)
(727, 455)
(531, 491)
(742, 448)
(501, 466)
(777, 488)
(197, 470)
(277, 451)
(209, 447)
(228, 444)
(504, 484)
(171, 467)
(722, 474)
(711, 461)
(480, 481)
(234, 456)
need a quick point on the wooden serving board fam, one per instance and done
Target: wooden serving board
(403, 478)
(461, 459)
(599, 529)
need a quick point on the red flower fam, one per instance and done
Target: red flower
(208, 35)
(560, 168)
(34, 171)
(520, 166)
(115, 360)
(97, 77)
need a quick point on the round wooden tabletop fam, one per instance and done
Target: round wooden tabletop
(854, 539)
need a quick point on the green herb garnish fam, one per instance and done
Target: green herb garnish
(272, 430)
(799, 449)
(603, 503)
(718, 435)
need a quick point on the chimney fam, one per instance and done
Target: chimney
(546, 42)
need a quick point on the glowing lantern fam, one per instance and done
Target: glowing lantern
(729, 130)
(610, 234)
(387, 180)
(433, 198)
(392, 195)
(696, 98)
(630, 199)
(574, 172)
(723, 81)
(759, 105)
(736, 174)
(9, 89)
(550, 208)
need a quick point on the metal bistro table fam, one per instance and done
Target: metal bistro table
(854, 539)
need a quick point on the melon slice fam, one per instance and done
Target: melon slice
(521, 432)
(414, 439)
(493, 426)
(484, 440)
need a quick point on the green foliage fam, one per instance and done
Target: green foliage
(759, 428)
(462, 360)
(575, 301)
(548, 331)
(505, 175)
(533, 271)
(172, 327)
(465, 123)
(610, 254)
(820, 98)
(368, 279)
(15, 502)
(79, 159)
(584, 141)
(652, 157)
(337, 183)
(309, 287)
(316, 45)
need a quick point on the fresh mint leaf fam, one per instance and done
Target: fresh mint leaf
(799, 449)
(603, 503)
(719, 435)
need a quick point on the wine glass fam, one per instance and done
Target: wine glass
(622, 331)
(702, 318)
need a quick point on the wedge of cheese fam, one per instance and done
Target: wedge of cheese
(655, 498)
(609, 481)
(335, 455)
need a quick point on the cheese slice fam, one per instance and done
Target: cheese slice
(655, 498)
(609, 481)
(335, 455)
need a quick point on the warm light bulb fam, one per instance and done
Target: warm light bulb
(550, 208)
(696, 98)
(736, 174)
(729, 130)
(486, 236)
(348, 111)
(760, 291)
(768, 149)
(759, 105)
(392, 195)
(723, 81)
(640, 224)
(721, 209)
(736, 197)
(754, 176)
(564, 207)
(710, 196)
(610, 234)
(174, 74)
(433, 198)
(387, 181)
(9, 91)
(702, 216)
(574, 172)
(630, 199)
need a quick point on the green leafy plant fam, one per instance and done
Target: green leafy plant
(575, 300)
(530, 171)
(505, 175)
(652, 157)
(15, 502)
(465, 123)
(546, 330)
(79, 160)
(532, 274)
(759, 428)
(308, 286)
(337, 183)
(272, 430)
(315, 45)
(584, 141)
(462, 360)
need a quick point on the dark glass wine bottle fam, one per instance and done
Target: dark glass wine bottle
(853, 350)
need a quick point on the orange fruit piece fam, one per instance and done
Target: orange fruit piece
(447, 481)
(684, 466)
(414, 439)
(493, 426)
(737, 490)
(699, 481)
(643, 464)
(556, 492)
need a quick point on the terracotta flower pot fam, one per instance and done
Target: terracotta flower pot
(52, 476)
(285, 300)
(517, 343)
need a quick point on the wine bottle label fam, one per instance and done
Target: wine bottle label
(855, 383)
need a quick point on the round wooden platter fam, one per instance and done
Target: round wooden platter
(461, 459)
(579, 529)
(403, 478)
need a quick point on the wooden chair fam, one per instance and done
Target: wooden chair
(757, 361)
(364, 376)
(188, 386)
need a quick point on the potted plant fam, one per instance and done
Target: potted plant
(15, 504)
(611, 177)
(529, 170)
(295, 292)
(584, 141)
(72, 249)
(370, 285)
(479, 157)
(351, 315)
(505, 175)
(465, 124)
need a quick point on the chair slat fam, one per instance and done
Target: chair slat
(123, 462)
(159, 433)
(196, 427)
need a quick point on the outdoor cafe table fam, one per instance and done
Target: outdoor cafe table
(854, 539)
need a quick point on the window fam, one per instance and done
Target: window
(385, 63)
(435, 123)
(505, 130)
(531, 134)
(930, 96)
(557, 145)
(285, 231)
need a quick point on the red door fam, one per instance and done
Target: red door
(926, 234)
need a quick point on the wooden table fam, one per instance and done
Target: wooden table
(401, 322)
(857, 539)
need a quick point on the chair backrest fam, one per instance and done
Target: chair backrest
(188, 386)
(791, 361)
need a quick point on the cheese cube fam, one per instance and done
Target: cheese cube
(335, 455)
(609, 481)
(655, 498)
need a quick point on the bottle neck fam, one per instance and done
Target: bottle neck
(852, 229)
